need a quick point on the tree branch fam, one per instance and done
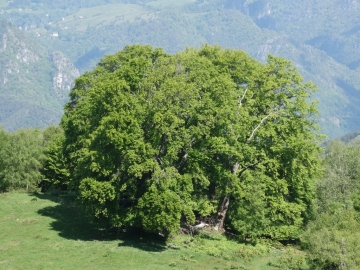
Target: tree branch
(242, 98)
(247, 167)
(235, 167)
(258, 126)
(162, 146)
(183, 159)
(157, 159)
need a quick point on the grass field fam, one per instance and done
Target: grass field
(116, 13)
(166, 3)
(51, 232)
(102, 15)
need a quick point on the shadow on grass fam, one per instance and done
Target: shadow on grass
(71, 222)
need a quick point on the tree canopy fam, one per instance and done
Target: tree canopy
(333, 239)
(152, 140)
(21, 156)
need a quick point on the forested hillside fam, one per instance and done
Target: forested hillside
(34, 83)
(319, 37)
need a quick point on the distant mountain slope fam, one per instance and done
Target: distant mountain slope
(33, 85)
(332, 26)
(321, 38)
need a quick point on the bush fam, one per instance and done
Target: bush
(333, 241)
(290, 260)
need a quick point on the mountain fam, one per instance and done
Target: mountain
(33, 84)
(321, 38)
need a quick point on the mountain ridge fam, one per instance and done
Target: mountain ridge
(84, 32)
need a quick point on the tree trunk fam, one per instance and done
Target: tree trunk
(222, 213)
(343, 252)
(225, 204)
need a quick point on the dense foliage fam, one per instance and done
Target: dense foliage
(333, 239)
(153, 139)
(22, 157)
(341, 179)
(20, 160)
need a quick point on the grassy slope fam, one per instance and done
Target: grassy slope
(114, 13)
(39, 232)
(102, 15)
(166, 3)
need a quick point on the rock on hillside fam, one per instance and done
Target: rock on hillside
(33, 84)
(64, 74)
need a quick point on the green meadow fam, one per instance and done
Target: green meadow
(117, 13)
(103, 15)
(42, 231)
(166, 3)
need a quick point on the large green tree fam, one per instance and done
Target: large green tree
(153, 139)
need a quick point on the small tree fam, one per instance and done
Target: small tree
(55, 172)
(333, 241)
(340, 184)
(152, 139)
(21, 160)
(4, 137)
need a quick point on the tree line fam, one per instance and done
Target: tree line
(22, 157)
(154, 141)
